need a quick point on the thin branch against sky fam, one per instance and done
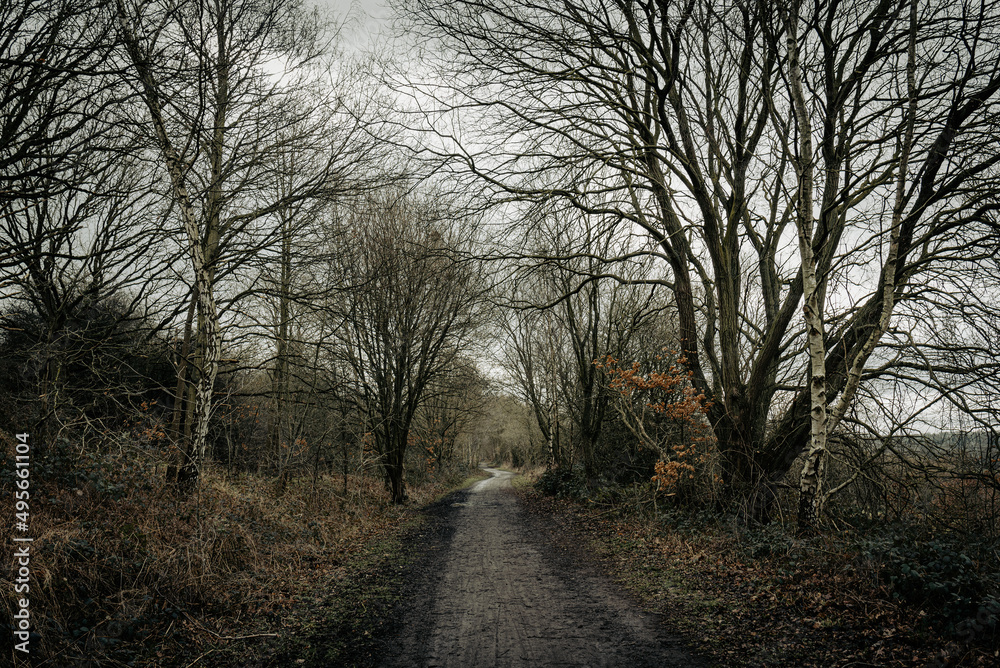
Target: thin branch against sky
(366, 19)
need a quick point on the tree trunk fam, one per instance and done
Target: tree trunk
(181, 404)
(202, 248)
(811, 477)
(394, 471)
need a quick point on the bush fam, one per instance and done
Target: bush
(98, 365)
(769, 540)
(939, 576)
(563, 481)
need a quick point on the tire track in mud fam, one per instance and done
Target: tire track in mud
(492, 591)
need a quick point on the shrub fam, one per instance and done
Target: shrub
(563, 481)
(939, 576)
(769, 540)
(668, 416)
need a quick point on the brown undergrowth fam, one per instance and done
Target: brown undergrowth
(125, 572)
(741, 599)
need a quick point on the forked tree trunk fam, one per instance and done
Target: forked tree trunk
(201, 246)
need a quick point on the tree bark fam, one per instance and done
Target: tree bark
(811, 477)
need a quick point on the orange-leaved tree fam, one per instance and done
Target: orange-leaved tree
(667, 415)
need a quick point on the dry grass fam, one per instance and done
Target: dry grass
(125, 572)
(527, 476)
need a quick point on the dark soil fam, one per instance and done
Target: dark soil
(488, 586)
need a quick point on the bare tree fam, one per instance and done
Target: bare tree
(409, 310)
(532, 356)
(576, 315)
(56, 88)
(70, 256)
(222, 85)
(74, 201)
(453, 402)
(701, 126)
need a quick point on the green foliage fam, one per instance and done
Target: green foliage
(940, 577)
(688, 521)
(765, 541)
(563, 481)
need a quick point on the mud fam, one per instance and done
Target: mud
(491, 589)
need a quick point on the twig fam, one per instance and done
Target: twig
(253, 635)
(199, 658)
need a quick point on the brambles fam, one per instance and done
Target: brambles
(940, 577)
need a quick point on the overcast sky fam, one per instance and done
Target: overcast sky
(372, 15)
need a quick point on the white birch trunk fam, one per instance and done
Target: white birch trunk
(811, 477)
(208, 318)
(889, 270)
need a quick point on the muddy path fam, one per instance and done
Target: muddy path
(491, 589)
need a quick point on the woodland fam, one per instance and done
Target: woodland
(719, 271)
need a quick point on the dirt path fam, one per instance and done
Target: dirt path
(492, 591)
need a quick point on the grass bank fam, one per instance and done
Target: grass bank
(242, 572)
(765, 598)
